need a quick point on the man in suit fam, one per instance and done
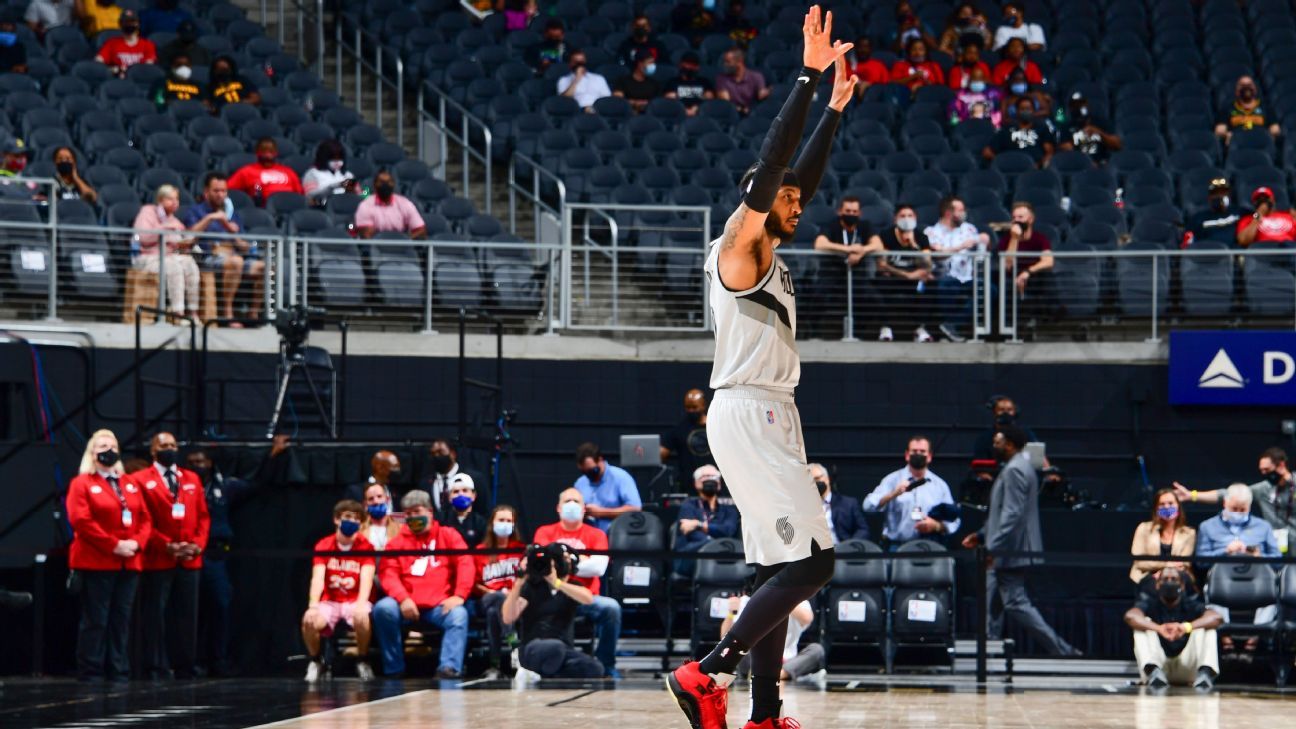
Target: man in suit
(386, 468)
(1013, 526)
(844, 515)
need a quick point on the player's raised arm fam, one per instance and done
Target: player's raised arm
(746, 252)
(810, 164)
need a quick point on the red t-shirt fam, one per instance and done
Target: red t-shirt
(958, 75)
(930, 70)
(272, 179)
(1276, 226)
(116, 52)
(872, 71)
(499, 571)
(342, 574)
(583, 538)
(1004, 69)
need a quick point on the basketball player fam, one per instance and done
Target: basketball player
(753, 426)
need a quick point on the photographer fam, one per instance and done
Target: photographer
(546, 603)
(1267, 224)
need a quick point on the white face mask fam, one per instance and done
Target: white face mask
(182, 72)
(336, 164)
(907, 224)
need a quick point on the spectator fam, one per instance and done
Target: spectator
(1233, 531)
(234, 258)
(186, 42)
(179, 84)
(868, 69)
(1274, 495)
(570, 529)
(181, 269)
(496, 574)
(1012, 525)
(13, 53)
(97, 16)
(110, 526)
(172, 561)
(1024, 133)
(329, 176)
(339, 590)
(687, 441)
(42, 15)
(966, 25)
(640, 39)
(385, 211)
(909, 28)
(737, 26)
(903, 274)
(15, 158)
(969, 60)
(1087, 132)
(916, 70)
(1245, 113)
(1174, 634)
(582, 84)
(843, 513)
(1018, 89)
(639, 87)
(444, 462)
(379, 526)
(551, 49)
(517, 13)
(851, 239)
(798, 663)
(384, 468)
(460, 515)
(739, 85)
(1217, 223)
(1167, 533)
(1014, 57)
(165, 16)
(68, 184)
(264, 177)
(606, 490)
(1032, 274)
(547, 602)
(689, 85)
(129, 48)
(427, 589)
(1266, 224)
(955, 236)
(694, 19)
(910, 511)
(703, 518)
(1003, 411)
(1015, 26)
(227, 86)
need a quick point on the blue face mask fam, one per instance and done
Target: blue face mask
(1167, 512)
(461, 502)
(377, 511)
(571, 511)
(348, 527)
(503, 529)
(709, 4)
(976, 87)
(1235, 518)
(650, 69)
(1018, 88)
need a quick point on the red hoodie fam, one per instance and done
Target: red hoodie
(442, 576)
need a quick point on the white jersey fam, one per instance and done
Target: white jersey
(755, 330)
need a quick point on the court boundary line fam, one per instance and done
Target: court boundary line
(341, 709)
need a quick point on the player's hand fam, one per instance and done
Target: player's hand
(409, 610)
(820, 49)
(450, 603)
(843, 84)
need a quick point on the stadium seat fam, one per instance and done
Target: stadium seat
(714, 582)
(855, 606)
(922, 599)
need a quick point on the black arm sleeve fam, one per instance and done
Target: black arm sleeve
(780, 142)
(809, 167)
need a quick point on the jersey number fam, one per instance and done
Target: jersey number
(785, 278)
(342, 583)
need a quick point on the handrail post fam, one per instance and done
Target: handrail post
(358, 103)
(427, 291)
(418, 121)
(489, 163)
(1155, 260)
(706, 282)
(848, 321)
(51, 313)
(305, 273)
(337, 49)
(281, 24)
(565, 318)
(463, 151)
(982, 612)
(512, 193)
(162, 281)
(265, 15)
(400, 102)
(378, 85)
(445, 144)
(319, 36)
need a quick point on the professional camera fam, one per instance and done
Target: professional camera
(294, 323)
(540, 560)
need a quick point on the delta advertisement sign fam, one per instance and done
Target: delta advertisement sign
(1233, 368)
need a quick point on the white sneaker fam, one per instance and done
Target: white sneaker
(364, 672)
(524, 678)
(492, 674)
(818, 679)
(313, 671)
(885, 335)
(921, 335)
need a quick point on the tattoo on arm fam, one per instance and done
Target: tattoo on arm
(730, 236)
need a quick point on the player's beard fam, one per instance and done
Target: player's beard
(778, 228)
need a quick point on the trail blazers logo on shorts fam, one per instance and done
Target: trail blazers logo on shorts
(785, 531)
(769, 416)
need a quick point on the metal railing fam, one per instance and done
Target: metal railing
(464, 137)
(535, 193)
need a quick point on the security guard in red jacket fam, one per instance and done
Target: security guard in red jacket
(110, 526)
(172, 561)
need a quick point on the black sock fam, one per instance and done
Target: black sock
(765, 698)
(725, 657)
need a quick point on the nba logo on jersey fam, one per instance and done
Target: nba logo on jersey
(769, 416)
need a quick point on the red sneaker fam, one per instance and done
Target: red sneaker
(699, 697)
(774, 724)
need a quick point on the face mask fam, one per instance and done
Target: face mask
(461, 502)
(571, 511)
(850, 221)
(336, 165)
(348, 527)
(1273, 477)
(64, 168)
(1236, 518)
(1005, 418)
(693, 418)
(182, 72)
(687, 73)
(266, 159)
(441, 464)
(1246, 93)
(107, 458)
(977, 87)
(1170, 592)
(167, 458)
(502, 529)
(417, 523)
(640, 34)
(1018, 88)
(204, 474)
(710, 487)
(1220, 204)
(385, 190)
(377, 511)
(650, 69)
(130, 29)
(592, 474)
(822, 486)
(1167, 512)
(917, 461)
(393, 475)
(907, 224)
(222, 74)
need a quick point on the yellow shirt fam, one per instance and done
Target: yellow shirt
(98, 18)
